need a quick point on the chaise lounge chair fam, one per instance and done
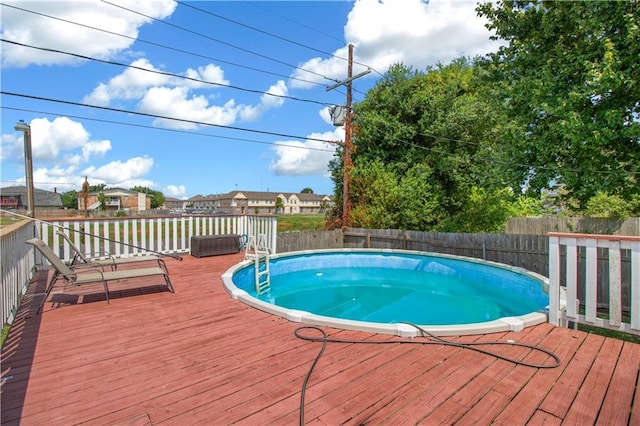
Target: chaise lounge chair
(92, 273)
(79, 258)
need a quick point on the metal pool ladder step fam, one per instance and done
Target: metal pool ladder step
(257, 251)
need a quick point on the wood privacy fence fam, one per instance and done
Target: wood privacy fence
(580, 225)
(309, 240)
(526, 251)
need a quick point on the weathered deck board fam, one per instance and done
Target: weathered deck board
(151, 357)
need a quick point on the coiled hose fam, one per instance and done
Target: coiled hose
(435, 340)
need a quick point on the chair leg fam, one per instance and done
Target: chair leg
(53, 280)
(166, 278)
(106, 290)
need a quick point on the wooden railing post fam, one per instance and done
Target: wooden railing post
(554, 280)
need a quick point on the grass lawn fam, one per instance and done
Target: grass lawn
(6, 220)
(300, 222)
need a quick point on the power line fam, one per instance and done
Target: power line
(168, 74)
(402, 141)
(256, 5)
(183, 120)
(265, 32)
(488, 160)
(162, 46)
(143, 126)
(217, 40)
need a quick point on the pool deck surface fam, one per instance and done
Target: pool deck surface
(197, 357)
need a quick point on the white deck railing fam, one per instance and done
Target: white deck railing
(121, 237)
(114, 236)
(600, 278)
(17, 262)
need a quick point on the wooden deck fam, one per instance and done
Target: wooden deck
(151, 357)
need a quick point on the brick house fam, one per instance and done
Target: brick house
(116, 199)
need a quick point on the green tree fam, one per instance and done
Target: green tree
(484, 211)
(436, 120)
(306, 191)
(278, 205)
(157, 197)
(568, 78)
(382, 199)
(608, 206)
(102, 199)
(70, 200)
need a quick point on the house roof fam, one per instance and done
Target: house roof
(259, 195)
(41, 198)
(114, 191)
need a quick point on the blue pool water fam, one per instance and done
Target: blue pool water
(389, 287)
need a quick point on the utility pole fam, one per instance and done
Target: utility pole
(348, 141)
(28, 165)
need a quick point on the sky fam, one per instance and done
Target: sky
(203, 97)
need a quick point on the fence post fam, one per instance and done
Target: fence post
(615, 285)
(635, 285)
(554, 280)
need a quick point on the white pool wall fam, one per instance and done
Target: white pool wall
(516, 323)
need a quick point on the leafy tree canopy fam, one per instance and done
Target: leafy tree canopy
(422, 136)
(70, 200)
(568, 75)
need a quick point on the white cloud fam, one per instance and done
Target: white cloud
(267, 101)
(38, 30)
(64, 146)
(12, 147)
(179, 103)
(210, 73)
(413, 32)
(133, 83)
(169, 96)
(175, 191)
(58, 178)
(295, 158)
(119, 174)
(89, 150)
(51, 139)
(124, 174)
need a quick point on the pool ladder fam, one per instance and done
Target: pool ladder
(256, 251)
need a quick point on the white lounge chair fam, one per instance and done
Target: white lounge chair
(93, 273)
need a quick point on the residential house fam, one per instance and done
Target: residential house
(259, 202)
(15, 198)
(115, 199)
(174, 203)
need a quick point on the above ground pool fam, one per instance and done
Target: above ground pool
(386, 291)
